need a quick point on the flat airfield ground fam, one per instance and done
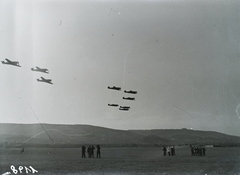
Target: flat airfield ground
(132, 160)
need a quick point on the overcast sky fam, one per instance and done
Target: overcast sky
(181, 56)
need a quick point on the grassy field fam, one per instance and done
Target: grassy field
(123, 161)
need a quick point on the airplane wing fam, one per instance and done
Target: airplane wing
(8, 60)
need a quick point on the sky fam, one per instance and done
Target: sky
(181, 56)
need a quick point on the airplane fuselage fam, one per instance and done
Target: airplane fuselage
(115, 105)
(40, 70)
(45, 80)
(114, 88)
(123, 109)
(128, 98)
(13, 63)
(131, 92)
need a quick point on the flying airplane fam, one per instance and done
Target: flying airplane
(131, 92)
(115, 105)
(14, 63)
(125, 107)
(128, 98)
(45, 80)
(114, 88)
(40, 70)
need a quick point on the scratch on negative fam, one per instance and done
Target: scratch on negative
(109, 12)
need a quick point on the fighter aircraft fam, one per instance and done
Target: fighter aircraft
(14, 63)
(114, 88)
(131, 92)
(45, 80)
(128, 98)
(40, 70)
(124, 109)
(115, 105)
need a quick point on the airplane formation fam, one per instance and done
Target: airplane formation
(37, 69)
(49, 81)
(122, 108)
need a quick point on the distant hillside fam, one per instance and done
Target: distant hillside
(75, 135)
(186, 136)
(72, 135)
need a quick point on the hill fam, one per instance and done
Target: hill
(33, 134)
(75, 135)
(186, 136)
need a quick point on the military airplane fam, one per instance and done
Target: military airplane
(131, 92)
(114, 88)
(14, 63)
(115, 105)
(45, 80)
(124, 109)
(128, 98)
(40, 70)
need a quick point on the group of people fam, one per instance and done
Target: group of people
(90, 151)
(198, 150)
(195, 150)
(169, 150)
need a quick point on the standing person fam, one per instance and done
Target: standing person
(168, 150)
(164, 151)
(192, 150)
(92, 151)
(98, 152)
(83, 151)
(89, 151)
(204, 151)
(172, 150)
(195, 151)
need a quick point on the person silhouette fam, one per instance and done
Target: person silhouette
(92, 151)
(89, 151)
(98, 152)
(164, 151)
(83, 151)
(168, 151)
